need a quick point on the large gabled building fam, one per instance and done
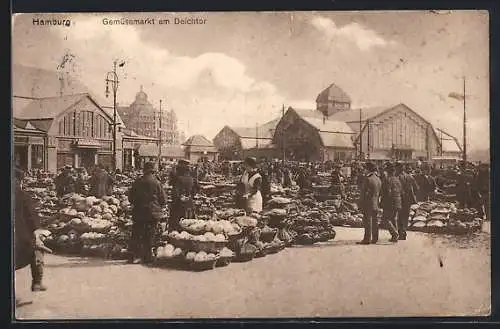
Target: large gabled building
(236, 143)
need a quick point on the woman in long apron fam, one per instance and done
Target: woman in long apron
(251, 182)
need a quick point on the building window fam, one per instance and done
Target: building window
(37, 156)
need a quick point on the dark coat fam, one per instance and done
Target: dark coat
(410, 189)
(100, 183)
(392, 193)
(147, 198)
(65, 184)
(26, 221)
(370, 192)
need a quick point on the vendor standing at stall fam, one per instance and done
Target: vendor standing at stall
(65, 183)
(100, 182)
(148, 199)
(183, 190)
(251, 182)
(336, 181)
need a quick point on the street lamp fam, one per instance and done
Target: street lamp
(112, 77)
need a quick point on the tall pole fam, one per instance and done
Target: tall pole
(115, 87)
(256, 135)
(283, 133)
(159, 137)
(465, 131)
(114, 84)
(360, 134)
(368, 139)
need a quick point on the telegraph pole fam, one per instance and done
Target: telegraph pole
(283, 133)
(368, 140)
(256, 135)
(159, 137)
(465, 131)
(360, 134)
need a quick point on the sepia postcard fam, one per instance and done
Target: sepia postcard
(294, 164)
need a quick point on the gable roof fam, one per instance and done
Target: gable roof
(48, 108)
(366, 113)
(199, 143)
(29, 83)
(333, 93)
(198, 140)
(263, 131)
(333, 133)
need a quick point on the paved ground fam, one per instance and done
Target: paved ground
(424, 275)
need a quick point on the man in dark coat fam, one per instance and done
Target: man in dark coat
(148, 199)
(65, 183)
(370, 193)
(28, 244)
(410, 187)
(100, 183)
(392, 194)
(336, 181)
(266, 185)
(183, 190)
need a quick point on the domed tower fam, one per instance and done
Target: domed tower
(332, 100)
(141, 97)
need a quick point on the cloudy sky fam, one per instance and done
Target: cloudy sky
(239, 68)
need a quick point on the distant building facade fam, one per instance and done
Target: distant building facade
(236, 143)
(198, 148)
(144, 119)
(58, 122)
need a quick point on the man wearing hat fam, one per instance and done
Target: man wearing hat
(391, 199)
(65, 183)
(148, 199)
(183, 190)
(370, 193)
(28, 244)
(409, 186)
(251, 182)
(100, 182)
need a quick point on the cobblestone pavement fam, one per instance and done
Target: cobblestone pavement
(425, 275)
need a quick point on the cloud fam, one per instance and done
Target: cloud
(362, 37)
(206, 91)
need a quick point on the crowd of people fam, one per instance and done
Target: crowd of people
(389, 189)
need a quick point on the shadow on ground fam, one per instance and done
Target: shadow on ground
(85, 262)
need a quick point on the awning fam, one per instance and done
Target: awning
(87, 143)
(151, 150)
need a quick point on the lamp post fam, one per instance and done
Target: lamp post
(112, 77)
(159, 136)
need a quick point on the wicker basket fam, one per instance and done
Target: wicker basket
(236, 236)
(223, 261)
(244, 257)
(208, 246)
(261, 253)
(180, 243)
(202, 266)
(272, 249)
(269, 236)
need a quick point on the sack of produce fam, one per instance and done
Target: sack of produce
(279, 202)
(305, 239)
(246, 221)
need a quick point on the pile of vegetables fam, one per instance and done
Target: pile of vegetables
(90, 226)
(443, 217)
